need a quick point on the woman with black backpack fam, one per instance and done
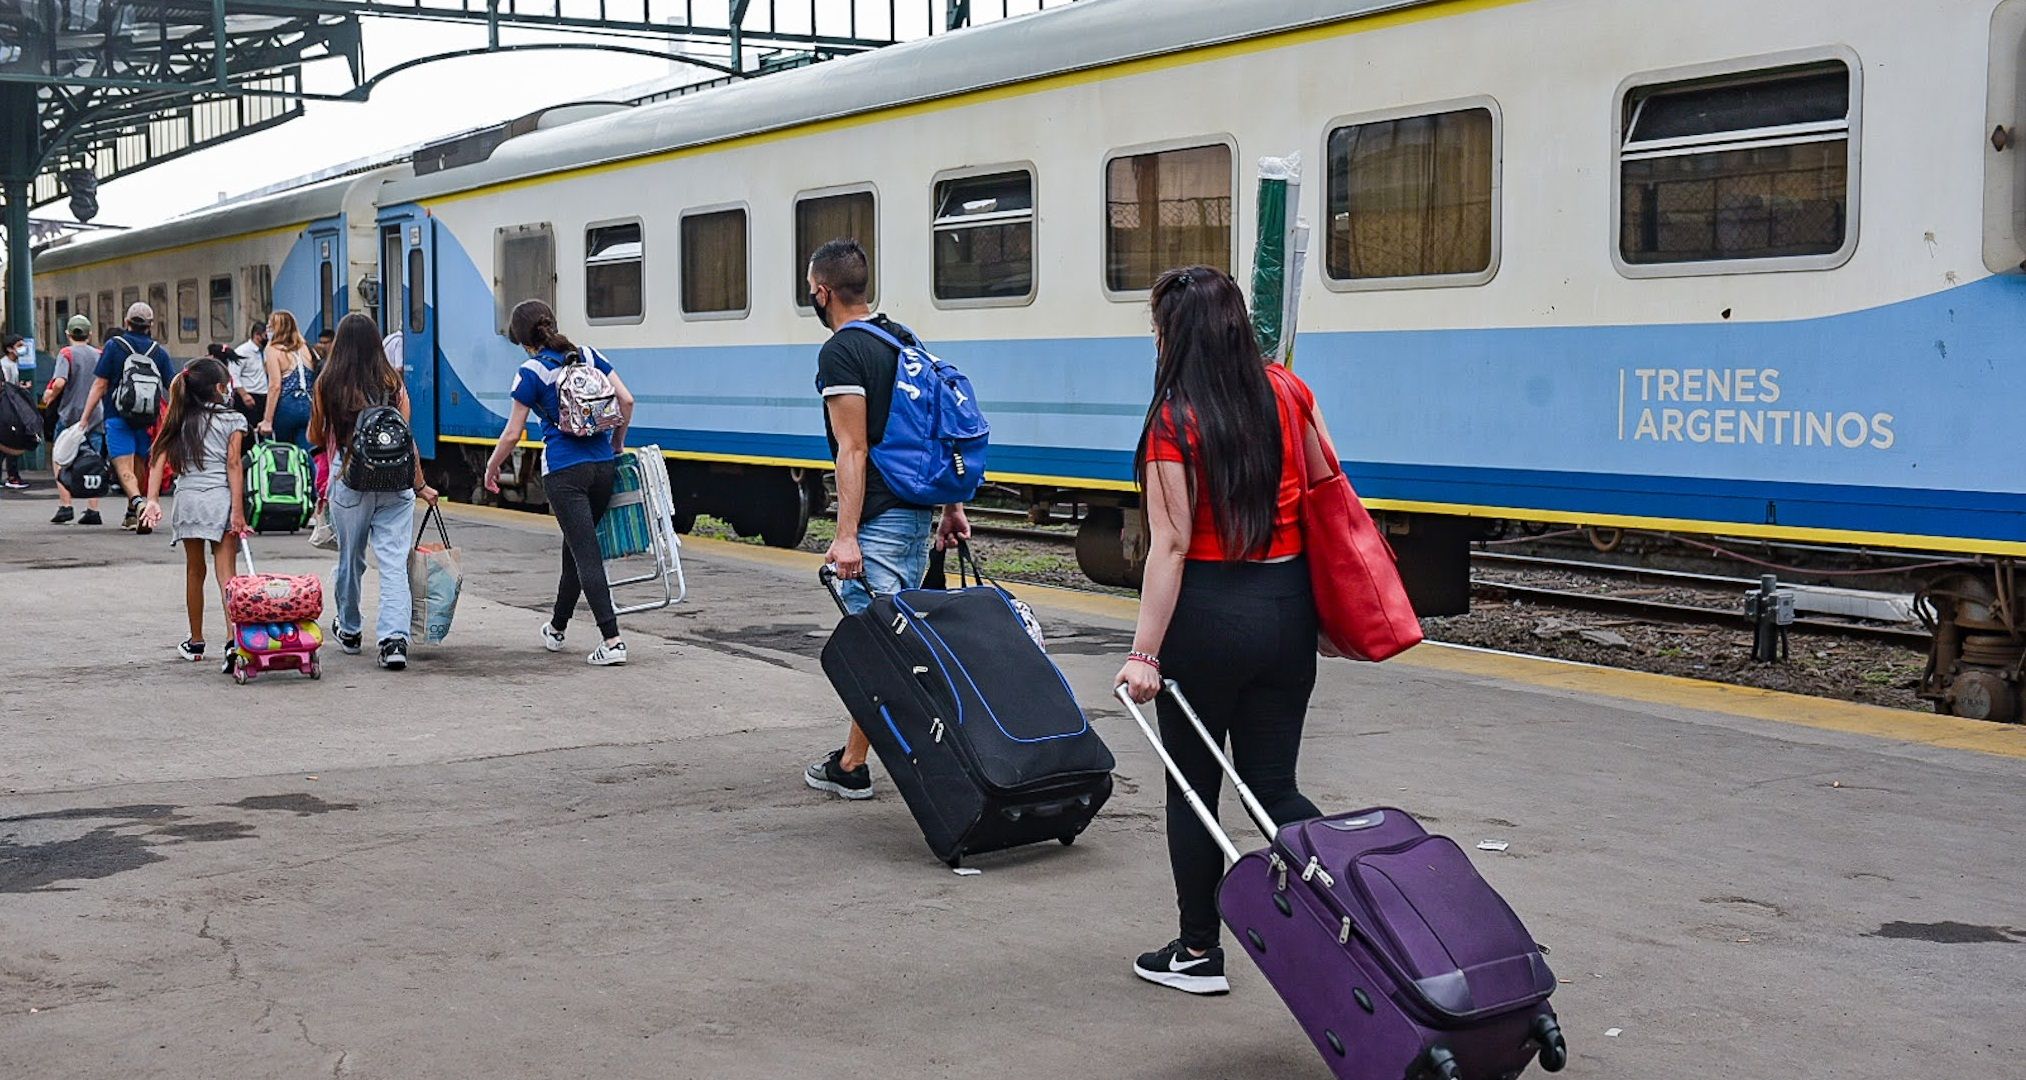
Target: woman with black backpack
(584, 410)
(359, 416)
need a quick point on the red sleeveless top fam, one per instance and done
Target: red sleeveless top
(1206, 544)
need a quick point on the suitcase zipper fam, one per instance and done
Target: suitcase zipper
(1344, 937)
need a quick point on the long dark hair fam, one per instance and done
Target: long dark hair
(355, 377)
(533, 324)
(196, 399)
(1211, 380)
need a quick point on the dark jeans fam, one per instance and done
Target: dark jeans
(578, 497)
(1242, 646)
(254, 413)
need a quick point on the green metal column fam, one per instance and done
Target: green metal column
(20, 153)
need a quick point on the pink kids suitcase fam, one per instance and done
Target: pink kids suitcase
(273, 622)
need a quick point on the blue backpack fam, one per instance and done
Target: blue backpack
(933, 451)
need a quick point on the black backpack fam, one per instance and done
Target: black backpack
(20, 420)
(85, 476)
(381, 455)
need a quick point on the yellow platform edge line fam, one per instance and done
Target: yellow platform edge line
(1698, 695)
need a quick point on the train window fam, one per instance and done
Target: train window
(820, 219)
(109, 322)
(129, 296)
(158, 298)
(715, 270)
(1738, 171)
(615, 261)
(60, 321)
(524, 267)
(327, 296)
(223, 325)
(984, 239)
(418, 293)
(43, 341)
(1413, 199)
(186, 311)
(1166, 208)
(257, 285)
(81, 305)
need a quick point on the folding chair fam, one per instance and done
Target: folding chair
(639, 522)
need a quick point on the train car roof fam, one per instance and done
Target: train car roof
(278, 211)
(1090, 34)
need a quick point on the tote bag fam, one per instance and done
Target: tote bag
(1360, 600)
(435, 578)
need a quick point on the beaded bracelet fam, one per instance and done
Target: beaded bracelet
(1145, 658)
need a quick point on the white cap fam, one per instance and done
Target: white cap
(140, 312)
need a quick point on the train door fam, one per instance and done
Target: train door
(408, 303)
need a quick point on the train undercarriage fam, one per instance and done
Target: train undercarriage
(1972, 609)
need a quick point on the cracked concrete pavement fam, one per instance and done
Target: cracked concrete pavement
(502, 863)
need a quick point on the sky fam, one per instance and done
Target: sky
(450, 96)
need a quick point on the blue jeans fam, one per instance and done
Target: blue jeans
(385, 522)
(896, 549)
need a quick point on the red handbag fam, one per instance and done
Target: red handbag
(1360, 601)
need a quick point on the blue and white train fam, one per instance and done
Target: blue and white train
(1724, 267)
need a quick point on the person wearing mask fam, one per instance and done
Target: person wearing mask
(13, 354)
(1225, 609)
(577, 472)
(69, 385)
(290, 367)
(249, 374)
(882, 543)
(323, 346)
(127, 444)
(355, 378)
(202, 438)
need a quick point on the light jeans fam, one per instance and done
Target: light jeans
(896, 549)
(385, 522)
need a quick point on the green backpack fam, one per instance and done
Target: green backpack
(280, 491)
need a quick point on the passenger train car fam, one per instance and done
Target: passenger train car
(1724, 267)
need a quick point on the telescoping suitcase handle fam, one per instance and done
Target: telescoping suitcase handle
(1252, 805)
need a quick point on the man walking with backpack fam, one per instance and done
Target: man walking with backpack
(132, 378)
(883, 539)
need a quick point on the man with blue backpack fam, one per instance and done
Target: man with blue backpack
(132, 379)
(907, 437)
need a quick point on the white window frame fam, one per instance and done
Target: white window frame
(1032, 215)
(795, 229)
(1742, 69)
(680, 250)
(1187, 142)
(586, 264)
(1417, 281)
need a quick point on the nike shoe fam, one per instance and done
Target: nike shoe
(828, 775)
(1175, 966)
(192, 650)
(611, 655)
(15, 483)
(394, 653)
(552, 638)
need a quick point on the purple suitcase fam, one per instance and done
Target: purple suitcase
(1399, 961)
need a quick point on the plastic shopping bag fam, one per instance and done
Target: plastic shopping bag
(435, 577)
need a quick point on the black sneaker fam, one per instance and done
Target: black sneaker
(90, 517)
(63, 516)
(394, 653)
(1175, 966)
(192, 650)
(827, 775)
(350, 643)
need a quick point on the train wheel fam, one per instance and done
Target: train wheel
(1101, 548)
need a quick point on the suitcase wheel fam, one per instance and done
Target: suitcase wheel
(1554, 1049)
(1440, 1064)
(955, 861)
(1067, 840)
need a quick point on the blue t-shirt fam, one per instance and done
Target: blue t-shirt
(114, 357)
(535, 387)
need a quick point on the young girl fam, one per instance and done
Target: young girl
(201, 439)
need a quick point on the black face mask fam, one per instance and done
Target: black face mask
(822, 312)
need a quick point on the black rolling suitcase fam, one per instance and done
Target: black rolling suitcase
(974, 723)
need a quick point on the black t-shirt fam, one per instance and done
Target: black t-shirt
(855, 362)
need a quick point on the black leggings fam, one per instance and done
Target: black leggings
(578, 497)
(1242, 646)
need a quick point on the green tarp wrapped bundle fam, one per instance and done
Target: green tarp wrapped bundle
(1279, 257)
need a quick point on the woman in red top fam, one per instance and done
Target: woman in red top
(1226, 606)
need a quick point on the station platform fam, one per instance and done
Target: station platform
(505, 863)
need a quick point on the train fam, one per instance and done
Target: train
(1727, 268)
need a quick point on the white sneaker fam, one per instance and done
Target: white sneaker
(608, 655)
(552, 638)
